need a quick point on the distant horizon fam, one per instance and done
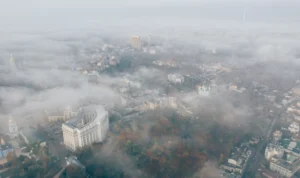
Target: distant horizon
(64, 14)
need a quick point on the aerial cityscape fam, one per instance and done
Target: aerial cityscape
(140, 96)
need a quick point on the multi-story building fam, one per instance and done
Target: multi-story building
(274, 166)
(89, 126)
(60, 116)
(233, 87)
(293, 110)
(277, 135)
(203, 90)
(237, 161)
(176, 78)
(294, 128)
(172, 102)
(284, 159)
(12, 63)
(285, 168)
(273, 150)
(4, 150)
(168, 102)
(296, 90)
(148, 105)
(232, 168)
(136, 42)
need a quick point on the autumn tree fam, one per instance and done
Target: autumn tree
(11, 157)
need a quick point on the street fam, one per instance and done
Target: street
(254, 164)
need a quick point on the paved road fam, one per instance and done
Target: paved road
(60, 172)
(258, 157)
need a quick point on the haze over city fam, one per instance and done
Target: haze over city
(201, 89)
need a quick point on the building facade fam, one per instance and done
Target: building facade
(284, 159)
(176, 78)
(285, 168)
(4, 150)
(136, 42)
(277, 135)
(89, 126)
(203, 90)
(55, 116)
(294, 128)
(273, 150)
(281, 170)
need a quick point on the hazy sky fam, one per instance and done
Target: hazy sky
(63, 24)
(35, 14)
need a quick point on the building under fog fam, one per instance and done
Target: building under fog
(176, 78)
(136, 42)
(89, 126)
(203, 90)
(13, 66)
(56, 115)
(273, 150)
(5, 149)
(13, 128)
(294, 128)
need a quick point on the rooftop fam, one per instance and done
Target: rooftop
(288, 144)
(5, 147)
(289, 166)
(86, 115)
(72, 160)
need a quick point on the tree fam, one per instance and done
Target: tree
(45, 160)
(11, 157)
(221, 159)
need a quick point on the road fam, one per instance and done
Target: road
(254, 164)
(59, 173)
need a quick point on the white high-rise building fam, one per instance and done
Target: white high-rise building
(13, 128)
(12, 63)
(176, 78)
(68, 113)
(203, 90)
(273, 150)
(294, 128)
(89, 126)
(136, 42)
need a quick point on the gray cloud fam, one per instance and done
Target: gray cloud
(43, 50)
(81, 15)
(41, 83)
(45, 35)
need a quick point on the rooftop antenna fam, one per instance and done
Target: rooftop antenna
(11, 58)
(148, 41)
(244, 16)
(245, 12)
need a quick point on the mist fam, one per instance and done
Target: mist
(57, 45)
